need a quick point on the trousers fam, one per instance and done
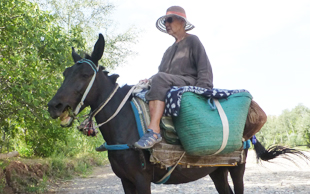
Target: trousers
(162, 82)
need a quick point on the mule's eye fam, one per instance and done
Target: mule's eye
(85, 75)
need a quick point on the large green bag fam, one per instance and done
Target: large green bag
(200, 128)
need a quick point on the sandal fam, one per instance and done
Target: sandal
(148, 140)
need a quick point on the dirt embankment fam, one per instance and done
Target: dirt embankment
(18, 177)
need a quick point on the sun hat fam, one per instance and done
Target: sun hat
(173, 11)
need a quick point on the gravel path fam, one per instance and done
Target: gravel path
(278, 177)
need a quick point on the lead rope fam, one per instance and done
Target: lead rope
(103, 105)
(88, 127)
(119, 107)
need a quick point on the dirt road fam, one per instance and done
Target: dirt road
(278, 177)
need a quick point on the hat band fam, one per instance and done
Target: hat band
(176, 13)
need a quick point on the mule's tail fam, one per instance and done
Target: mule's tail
(274, 151)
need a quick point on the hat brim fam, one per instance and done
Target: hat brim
(161, 25)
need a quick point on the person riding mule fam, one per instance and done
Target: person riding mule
(184, 63)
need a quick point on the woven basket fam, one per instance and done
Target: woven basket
(200, 129)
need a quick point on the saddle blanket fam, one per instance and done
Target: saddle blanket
(174, 96)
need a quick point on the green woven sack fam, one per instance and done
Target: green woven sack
(200, 128)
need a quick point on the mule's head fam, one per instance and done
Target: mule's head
(77, 79)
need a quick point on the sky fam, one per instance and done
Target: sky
(261, 46)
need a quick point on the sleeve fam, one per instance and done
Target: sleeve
(202, 63)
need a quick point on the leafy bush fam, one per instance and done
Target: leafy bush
(33, 54)
(291, 128)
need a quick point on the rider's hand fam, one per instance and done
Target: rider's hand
(143, 81)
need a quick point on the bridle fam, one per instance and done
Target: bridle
(90, 84)
(103, 104)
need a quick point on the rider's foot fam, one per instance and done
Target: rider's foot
(148, 140)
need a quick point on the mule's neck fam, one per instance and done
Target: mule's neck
(122, 128)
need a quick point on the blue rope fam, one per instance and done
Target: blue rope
(89, 62)
(212, 105)
(137, 117)
(247, 144)
(116, 147)
(140, 131)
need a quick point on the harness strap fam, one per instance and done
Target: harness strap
(90, 84)
(119, 107)
(137, 117)
(167, 176)
(116, 147)
(225, 125)
(106, 102)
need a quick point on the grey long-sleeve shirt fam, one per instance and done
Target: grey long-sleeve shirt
(188, 58)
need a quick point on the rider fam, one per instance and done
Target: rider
(185, 63)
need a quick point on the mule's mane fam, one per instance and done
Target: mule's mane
(124, 89)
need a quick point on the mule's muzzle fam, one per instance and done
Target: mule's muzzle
(56, 108)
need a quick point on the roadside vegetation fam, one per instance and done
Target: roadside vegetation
(291, 128)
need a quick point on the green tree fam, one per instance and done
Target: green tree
(92, 16)
(291, 128)
(34, 51)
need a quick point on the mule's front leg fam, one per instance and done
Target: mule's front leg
(129, 187)
(141, 186)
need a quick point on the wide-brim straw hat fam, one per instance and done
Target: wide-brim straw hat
(173, 11)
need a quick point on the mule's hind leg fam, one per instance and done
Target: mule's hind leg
(219, 177)
(236, 174)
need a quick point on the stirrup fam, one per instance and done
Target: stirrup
(101, 148)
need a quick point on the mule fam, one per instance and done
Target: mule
(136, 172)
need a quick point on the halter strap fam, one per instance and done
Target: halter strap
(95, 68)
(90, 63)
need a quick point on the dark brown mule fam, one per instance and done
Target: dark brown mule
(135, 173)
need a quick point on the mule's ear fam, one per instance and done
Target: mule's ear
(98, 49)
(76, 57)
(113, 78)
